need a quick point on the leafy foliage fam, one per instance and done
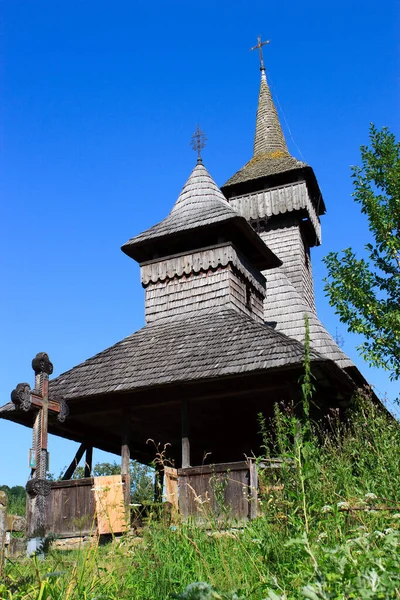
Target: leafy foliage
(142, 488)
(366, 292)
(16, 499)
(329, 529)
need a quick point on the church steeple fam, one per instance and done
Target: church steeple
(279, 195)
(269, 138)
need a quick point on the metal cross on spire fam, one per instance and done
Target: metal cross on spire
(198, 142)
(260, 44)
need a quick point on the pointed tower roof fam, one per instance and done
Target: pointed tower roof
(271, 157)
(195, 221)
(269, 138)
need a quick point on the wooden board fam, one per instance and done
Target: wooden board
(110, 507)
(70, 509)
(171, 486)
(219, 491)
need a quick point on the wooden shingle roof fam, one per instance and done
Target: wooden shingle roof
(209, 344)
(271, 157)
(265, 165)
(200, 216)
(200, 202)
(285, 310)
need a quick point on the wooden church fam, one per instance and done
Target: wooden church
(228, 283)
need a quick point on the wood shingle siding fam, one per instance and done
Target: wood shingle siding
(218, 276)
(202, 260)
(288, 244)
(225, 287)
(277, 201)
(285, 308)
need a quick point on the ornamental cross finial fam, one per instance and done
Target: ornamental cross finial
(260, 44)
(198, 142)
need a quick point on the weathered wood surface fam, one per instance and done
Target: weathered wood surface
(80, 507)
(171, 486)
(110, 505)
(126, 453)
(277, 201)
(219, 491)
(71, 508)
(217, 276)
(185, 434)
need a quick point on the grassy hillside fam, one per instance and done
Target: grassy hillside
(329, 529)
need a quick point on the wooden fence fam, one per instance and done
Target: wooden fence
(226, 491)
(80, 507)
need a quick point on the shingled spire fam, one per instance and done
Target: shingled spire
(269, 138)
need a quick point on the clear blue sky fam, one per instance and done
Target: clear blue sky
(99, 101)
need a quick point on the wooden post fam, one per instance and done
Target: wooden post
(185, 435)
(88, 461)
(3, 529)
(38, 488)
(253, 495)
(158, 483)
(126, 454)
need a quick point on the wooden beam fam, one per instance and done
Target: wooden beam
(126, 453)
(185, 435)
(88, 461)
(253, 492)
(75, 462)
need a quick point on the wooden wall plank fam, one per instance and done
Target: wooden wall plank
(110, 507)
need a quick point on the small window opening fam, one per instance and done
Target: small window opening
(248, 298)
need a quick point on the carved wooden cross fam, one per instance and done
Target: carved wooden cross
(260, 44)
(37, 399)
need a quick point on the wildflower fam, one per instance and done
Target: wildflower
(370, 497)
(379, 534)
(396, 516)
(343, 505)
(388, 531)
(326, 509)
(322, 536)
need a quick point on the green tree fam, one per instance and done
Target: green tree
(142, 487)
(366, 291)
(16, 499)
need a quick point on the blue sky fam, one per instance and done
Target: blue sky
(99, 101)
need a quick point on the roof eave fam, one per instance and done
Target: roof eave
(259, 182)
(149, 249)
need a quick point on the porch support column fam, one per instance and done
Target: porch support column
(88, 461)
(126, 453)
(185, 435)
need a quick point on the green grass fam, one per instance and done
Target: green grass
(305, 544)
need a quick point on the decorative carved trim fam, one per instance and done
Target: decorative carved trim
(64, 410)
(183, 265)
(262, 205)
(41, 364)
(22, 396)
(38, 487)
